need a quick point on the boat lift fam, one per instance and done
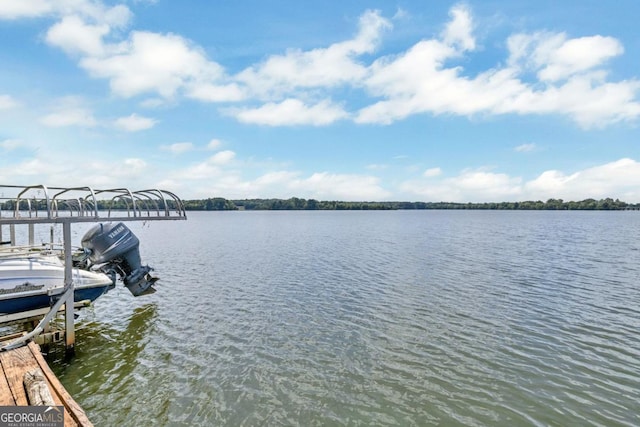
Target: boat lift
(39, 204)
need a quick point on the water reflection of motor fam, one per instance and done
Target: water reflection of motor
(115, 248)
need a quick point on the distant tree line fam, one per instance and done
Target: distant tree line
(296, 203)
(211, 204)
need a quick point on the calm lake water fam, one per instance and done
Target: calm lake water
(469, 318)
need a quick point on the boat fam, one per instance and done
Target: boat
(32, 278)
(37, 283)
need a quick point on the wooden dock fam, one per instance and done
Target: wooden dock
(15, 364)
(38, 205)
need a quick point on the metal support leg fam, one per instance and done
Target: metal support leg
(45, 321)
(70, 333)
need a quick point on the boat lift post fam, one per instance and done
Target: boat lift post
(143, 205)
(70, 331)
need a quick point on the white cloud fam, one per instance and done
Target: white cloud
(523, 148)
(215, 176)
(7, 102)
(133, 173)
(588, 99)
(458, 31)
(417, 81)
(554, 57)
(273, 180)
(214, 144)
(213, 168)
(578, 55)
(328, 186)
(153, 102)
(24, 8)
(290, 112)
(321, 67)
(41, 169)
(55, 161)
(543, 73)
(109, 174)
(286, 184)
(69, 116)
(96, 11)
(178, 147)
(73, 36)
(472, 185)
(199, 172)
(151, 62)
(222, 157)
(29, 167)
(146, 62)
(432, 172)
(134, 123)
(319, 186)
(619, 179)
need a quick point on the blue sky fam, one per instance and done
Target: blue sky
(356, 100)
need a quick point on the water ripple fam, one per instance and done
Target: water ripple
(372, 318)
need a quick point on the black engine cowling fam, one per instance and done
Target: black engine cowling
(115, 246)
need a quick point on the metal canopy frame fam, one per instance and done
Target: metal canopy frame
(42, 204)
(39, 204)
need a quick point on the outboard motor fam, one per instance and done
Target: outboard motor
(117, 247)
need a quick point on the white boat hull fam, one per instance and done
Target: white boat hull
(32, 281)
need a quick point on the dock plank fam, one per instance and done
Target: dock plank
(6, 397)
(15, 363)
(73, 411)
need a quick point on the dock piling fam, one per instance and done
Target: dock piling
(70, 333)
